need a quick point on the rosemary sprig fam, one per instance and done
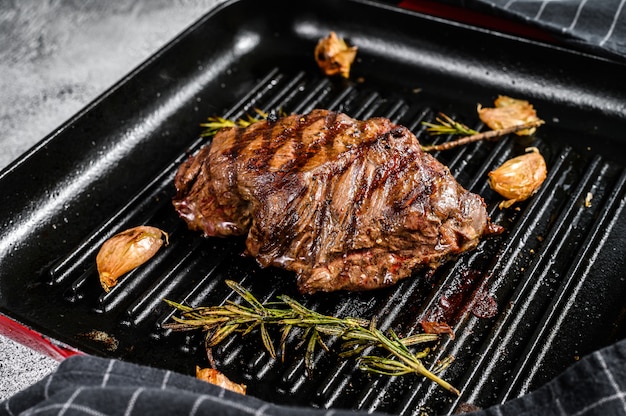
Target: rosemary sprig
(448, 126)
(215, 124)
(356, 334)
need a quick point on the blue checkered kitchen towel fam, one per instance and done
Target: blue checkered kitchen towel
(597, 26)
(85, 385)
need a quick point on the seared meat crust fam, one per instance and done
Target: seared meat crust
(345, 204)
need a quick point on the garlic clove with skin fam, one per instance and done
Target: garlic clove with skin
(213, 376)
(334, 56)
(519, 178)
(508, 112)
(126, 251)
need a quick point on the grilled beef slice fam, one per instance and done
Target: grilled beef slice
(345, 204)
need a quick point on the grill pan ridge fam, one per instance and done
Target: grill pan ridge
(555, 275)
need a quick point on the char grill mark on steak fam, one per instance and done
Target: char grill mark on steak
(346, 204)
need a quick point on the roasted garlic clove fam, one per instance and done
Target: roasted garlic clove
(127, 250)
(334, 56)
(519, 178)
(509, 112)
(213, 376)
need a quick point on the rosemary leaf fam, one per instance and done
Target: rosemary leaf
(331, 330)
(267, 341)
(352, 351)
(361, 336)
(321, 343)
(247, 296)
(314, 340)
(178, 306)
(283, 340)
(447, 126)
(176, 326)
(305, 336)
(419, 339)
(297, 307)
(385, 366)
(203, 322)
(238, 310)
(443, 364)
(220, 335)
(251, 327)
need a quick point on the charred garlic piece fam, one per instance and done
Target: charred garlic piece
(334, 56)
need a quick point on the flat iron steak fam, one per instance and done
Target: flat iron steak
(345, 204)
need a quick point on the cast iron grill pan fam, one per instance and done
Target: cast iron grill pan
(524, 305)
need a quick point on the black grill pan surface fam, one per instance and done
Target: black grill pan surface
(524, 305)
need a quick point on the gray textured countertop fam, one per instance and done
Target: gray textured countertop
(55, 58)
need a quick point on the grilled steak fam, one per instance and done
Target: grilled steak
(345, 204)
